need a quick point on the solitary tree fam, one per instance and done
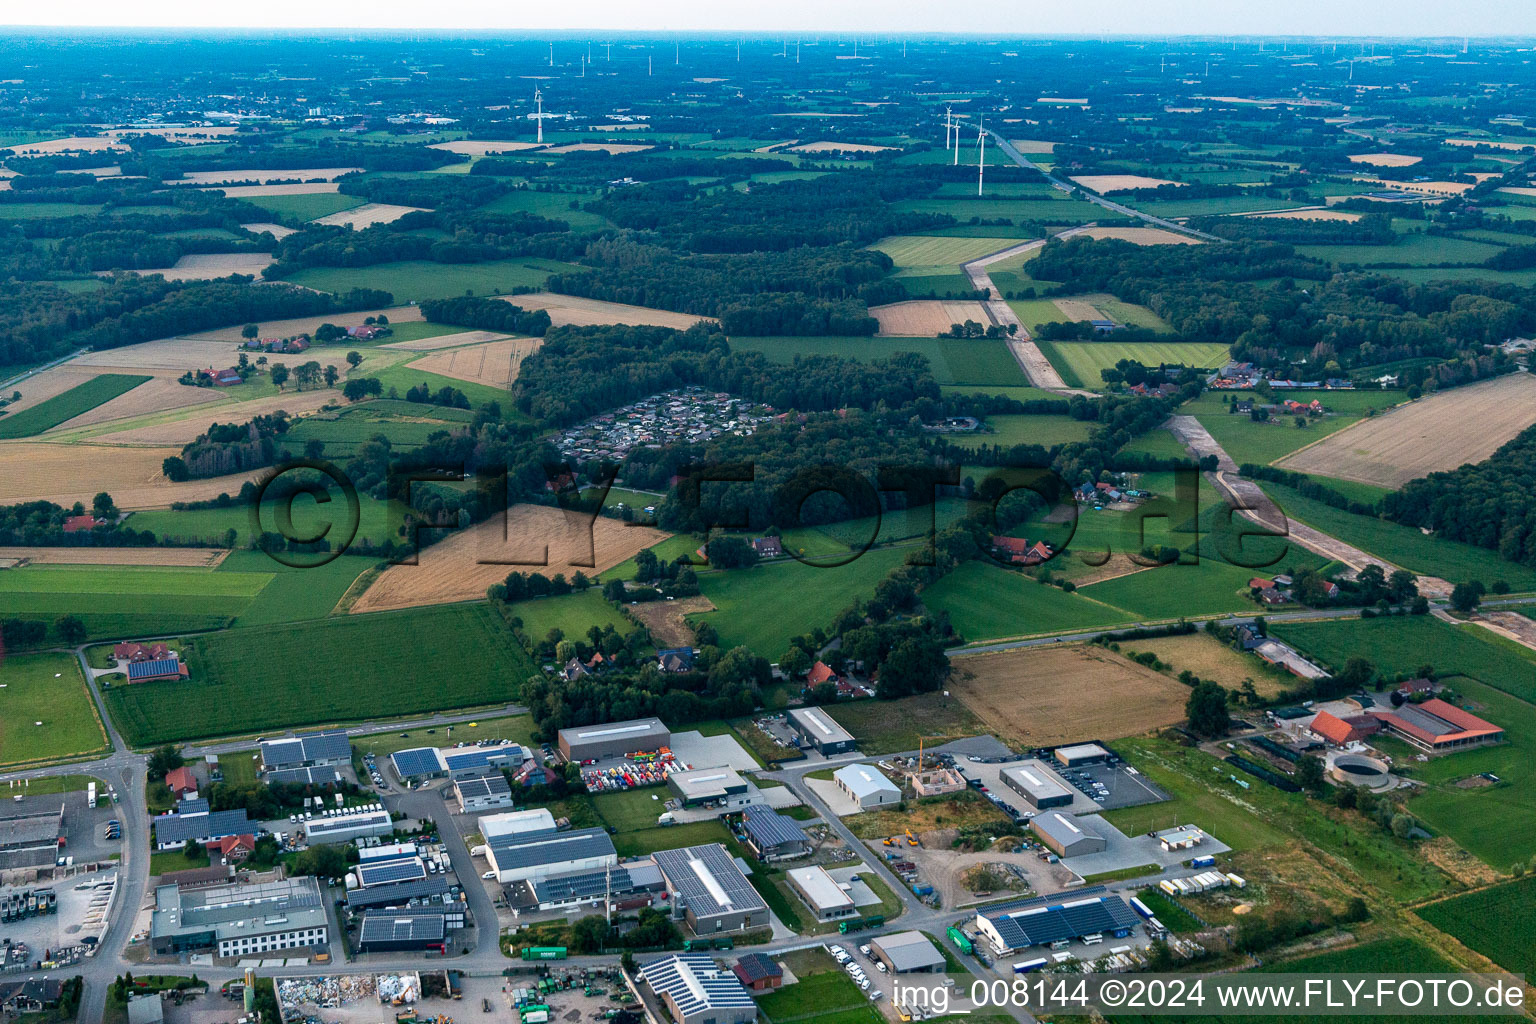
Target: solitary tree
(249, 331)
(354, 359)
(1309, 774)
(279, 375)
(1465, 597)
(1207, 709)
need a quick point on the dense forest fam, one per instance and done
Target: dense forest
(1491, 503)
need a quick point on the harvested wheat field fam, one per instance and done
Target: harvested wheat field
(530, 538)
(1518, 190)
(839, 147)
(483, 147)
(665, 619)
(1384, 159)
(264, 177)
(1142, 236)
(1209, 658)
(168, 357)
(1033, 146)
(1054, 695)
(1442, 431)
(1077, 309)
(73, 144)
(926, 318)
(206, 266)
(1309, 215)
(184, 557)
(42, 386)
(308, 324)
(615, 148)
(185, 428)
(1513, 147)
(277, 231)
(493, 363)
(1102, 183)
(436, 342)
(573, 310)
(303, 188)
(67, 473)
(367, 215)
(159, 394)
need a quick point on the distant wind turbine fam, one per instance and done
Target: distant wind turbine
(981, 152)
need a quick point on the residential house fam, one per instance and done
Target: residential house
(1260, 583)
(768, 547)
(820, 673)
(234, 849)
(82, 524)
(130, 651)
(675, 659)
(33, 995)
(1269, 595)
(574, 669)
(182, 783)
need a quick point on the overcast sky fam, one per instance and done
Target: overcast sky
(999, 17)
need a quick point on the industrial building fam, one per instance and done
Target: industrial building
(407, 929)
(306, 750)
(31, 840)
(421, 763)
(517, 857)
(820, 892)
(384, 871)
(630, 887)
(815, 728)
(240, 920)
(613, 739)
(487, 793)
(192, 821)
(1068, 836)
(1037, 786)
(343, 828)
(866, 786)
(772, 836)
(320, 775)
(709, 891)
(535, 821)
(709, 787)
(695, 990)
(397, 894)
(907, 953)
(1437, 726)
(1081, 753)
(1045, 920)
(1180, 837)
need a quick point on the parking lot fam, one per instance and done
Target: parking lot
(1123, 785)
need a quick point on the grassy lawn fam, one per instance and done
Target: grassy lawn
(1404, 545)
(633, 810)
(306, 207)
(164, 861)
(986, 602)
(81, 398)
(43, 717)
(822, 991)
(416, 280)
(248, 680)
(1499, 923)
(764, 606)
(669, 837)
(1249, 441)
(1008, 431)
(402, 378)
(1167, 911)
(888, 726)
(971, 362)
(572, 614)
(240, 767)
(513, 728)
(1086, 358)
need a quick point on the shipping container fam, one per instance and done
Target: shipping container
(960, 939)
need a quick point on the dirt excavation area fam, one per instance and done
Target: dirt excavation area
(1441, 431)
(528, 539)
(667, 620)
(1045, 696)
(925, 318)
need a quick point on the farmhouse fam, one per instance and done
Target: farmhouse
(675, 659)
(157, 671)
(772, 836)
(306, 750)
(768, 547)
(1068, 836)
(817, 729)
(527, 856)
(907, 953)
(1340, 732)
(866, 786)
(615, 739)
(1439, 727)
(697, 991)
(240, 920)
(820, 892)
(1044, 920)
(708, 889)
(181, 782)
(483, 794)
(82, 524)
(709, 787)
(130, 651)
(1038, 786)
(31, 840)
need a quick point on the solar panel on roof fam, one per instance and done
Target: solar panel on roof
(391, 871)
(417, 761)
(580, 886)
(768, 828)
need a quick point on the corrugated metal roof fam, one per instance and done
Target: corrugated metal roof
(707, 881)
(523, 851)
(695, 983)
(769, 828)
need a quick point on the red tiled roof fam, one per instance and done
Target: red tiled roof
(820, 673)
(1016, 545)
(181, 780)
(1333, 728)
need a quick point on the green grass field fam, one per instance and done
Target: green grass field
(330, 670)
(974, 363)
(763, 607)
(1499, 922)
(889, 726)
(46, 713)
(418, 280)
(1249, 441)
(939, 251)
(1086, 358)
(405, 424)
(632, 810)
(306, 207)
(1404, 545)
(119, 601)
(987, 602)
(1415, 250)
(572, 614)
(211, 525)
(1008, 430)
(81, 398)
(402, 378)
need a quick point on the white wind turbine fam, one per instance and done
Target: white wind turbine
(538, 115)
(948, 124)
(981, 152)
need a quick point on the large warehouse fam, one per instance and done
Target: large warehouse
(613, 739)
(709, 891)
(465, 762)
(1037, 786)
(712, 787)
(516, 857)
(407, 929)
(1068, 836)
(240, 920)
(820, 892)
(1081, 753)
(306, 750)
(487, 793)
(907, 953)
(1042, 921)
(31, 840)
(866, 786)
(772, 836)
(816, 728)
(696, 990)
(343, 828)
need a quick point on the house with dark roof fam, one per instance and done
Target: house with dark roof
(1010, 927)
(34, 995)
(192, 821)
(157, 671)
(329, 747)
(757, 972)
(675, 659)
(768, 547)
